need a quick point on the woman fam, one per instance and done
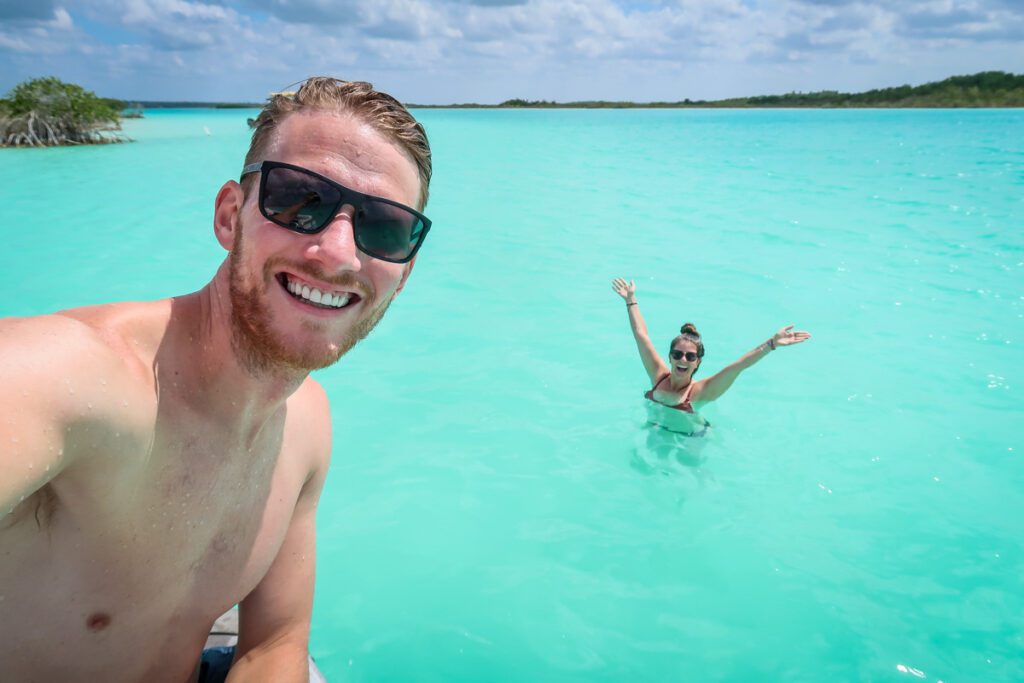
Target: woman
(673, 385)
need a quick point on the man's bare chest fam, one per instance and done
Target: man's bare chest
(164, 502)
(208, 511)
(160, 544)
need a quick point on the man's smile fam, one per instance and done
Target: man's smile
(317, 295)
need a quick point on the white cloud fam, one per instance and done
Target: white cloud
(487, 50)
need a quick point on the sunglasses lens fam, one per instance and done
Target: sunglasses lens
(297, 200)
(300, 201)
(386, 231)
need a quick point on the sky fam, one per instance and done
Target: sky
(488, 51)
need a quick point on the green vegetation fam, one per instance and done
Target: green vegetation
(44, 112)
(986, 89)
(198, 105)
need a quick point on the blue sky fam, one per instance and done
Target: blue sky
(441, 51)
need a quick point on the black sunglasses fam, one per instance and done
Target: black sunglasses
(676, 354)
(306, 202)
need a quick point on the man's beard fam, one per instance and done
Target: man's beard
(258, 347)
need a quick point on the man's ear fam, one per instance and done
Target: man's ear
(227, 212)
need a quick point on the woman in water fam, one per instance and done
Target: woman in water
(673, 386)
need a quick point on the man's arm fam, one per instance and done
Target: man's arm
(274, 618)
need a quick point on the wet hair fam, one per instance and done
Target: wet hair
(381, 111)
(688, 332)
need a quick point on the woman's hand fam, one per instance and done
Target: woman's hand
(786, 336)
(627, 290)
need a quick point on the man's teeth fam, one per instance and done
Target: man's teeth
(316, 296)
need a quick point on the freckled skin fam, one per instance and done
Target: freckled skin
(168, 481)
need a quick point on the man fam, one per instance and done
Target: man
(162, 461)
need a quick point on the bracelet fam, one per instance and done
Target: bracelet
(628, 304)
(771, 343)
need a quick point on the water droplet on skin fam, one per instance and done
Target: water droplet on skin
(30, 465)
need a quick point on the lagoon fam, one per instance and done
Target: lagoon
(497, 509)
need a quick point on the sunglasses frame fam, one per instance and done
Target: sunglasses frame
(682, 355)
(348, 196)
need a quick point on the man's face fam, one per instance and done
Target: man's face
(273, 271)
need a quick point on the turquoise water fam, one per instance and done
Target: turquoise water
(497, 510)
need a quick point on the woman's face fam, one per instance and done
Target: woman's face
(683, 360)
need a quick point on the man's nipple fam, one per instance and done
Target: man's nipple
(97, 621)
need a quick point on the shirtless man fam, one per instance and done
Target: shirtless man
(162, 461)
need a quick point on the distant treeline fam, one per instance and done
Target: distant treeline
(985, 89)
(198, 105)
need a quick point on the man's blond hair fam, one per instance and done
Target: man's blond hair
(384, 113)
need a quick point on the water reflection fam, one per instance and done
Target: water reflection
(671, 442)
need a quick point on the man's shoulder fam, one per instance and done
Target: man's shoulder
(309, 421)
(312, 393)
(88, 348)
(309, 410)
(57, 337)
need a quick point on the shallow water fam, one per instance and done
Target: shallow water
(498, 508)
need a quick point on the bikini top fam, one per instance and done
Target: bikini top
(683, 405)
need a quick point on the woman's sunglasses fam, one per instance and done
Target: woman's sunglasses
(306, 202)
(676, 354)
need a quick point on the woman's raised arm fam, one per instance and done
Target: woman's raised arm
(713, 387)
(653, 364)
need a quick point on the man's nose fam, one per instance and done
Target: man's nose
(335, 246)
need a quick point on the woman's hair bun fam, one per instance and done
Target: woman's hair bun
(689, 328)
